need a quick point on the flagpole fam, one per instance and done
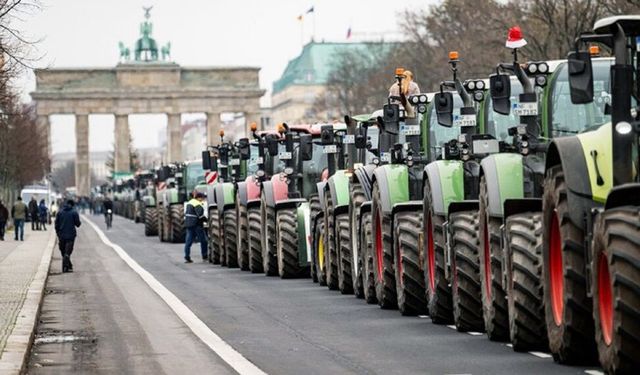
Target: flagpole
(313, 36)
(302, 32)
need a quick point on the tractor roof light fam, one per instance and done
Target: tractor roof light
(471, 85)
(414, 99)
(594, 51)
(423, 98)
(480, 85)
(281, 128)
(221, 132)
(399, 72)
(254, 126)
(453, 56)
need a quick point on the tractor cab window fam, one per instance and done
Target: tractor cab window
(498, 124)
(568, 118)
(194, 175)
(252, 163)
(438, 134)
(313, 168)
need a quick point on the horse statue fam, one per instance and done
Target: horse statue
(125, 53)
(166, 52)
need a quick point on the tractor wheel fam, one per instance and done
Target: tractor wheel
(269, 249)
(150, 221)
(230, 237)
(177, 224)
(383, 254)
(524, 282)
(160, 224)
(331, 251)
(409, 276)
(438, 291)
(288, 256)
(166, 220)
(568, 314)
(343, 245)
(465, 272)
(494, 306)
(319, 247)
(255, 247)
(214, 236)
(356, 198)
(314, 209)
(616, 289)
(366, 257)
(243, 236)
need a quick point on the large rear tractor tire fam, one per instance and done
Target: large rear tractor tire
(269, 243)
(178, 231)
(356, 198)
(331, 251)
(150, 221)
(366, 247)
(319, 248)
(314, 210)
(231, 237)
(527, 327)
(343, 245)
(160, 223)
(616, 286)
(214, 236)
(383, 254)
(568, 308)
(409, 275)
(288, 255)
(255, 247)
(494, 298)
(438, 291)
(243, 236)
(465, 270)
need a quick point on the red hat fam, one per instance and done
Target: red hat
(515, 39)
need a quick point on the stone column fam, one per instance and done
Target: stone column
(122, 137)
(174, 138)
(83, 174)
(213, 128)
(249, 118)
(45, 127)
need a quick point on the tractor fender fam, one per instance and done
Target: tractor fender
(149, 201)
(242, 193)
(393, 182)
(320, 188)
(365, 207)
(289, 203)
(267, 190)
(253, 203)
(211, 195)
(522, 205)
(446, 179)
(225, 196)
(253, 188)
(468, 205)
(339, 189)
(624, 195)
(279, 188)
(364, 175)
(171, 196)
(304, 233)
(504, 175)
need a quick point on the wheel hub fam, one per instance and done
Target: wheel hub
(605, 299)
(556, 274)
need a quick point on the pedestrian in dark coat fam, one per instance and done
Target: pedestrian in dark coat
(19, 213)
(4, 217)
(43, 214)
(193, 220)
(34, 214)
(67, 220)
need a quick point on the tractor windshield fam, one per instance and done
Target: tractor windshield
(252, 163)
(313, 168)
(438, 134)
(194, 175)
(568, 118)
(498, 124)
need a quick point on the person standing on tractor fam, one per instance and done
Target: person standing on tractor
(43, 213)
(193, 220)
(34, 214)
(4, 216)
(19, 214)
(403, 90)
(67, 221)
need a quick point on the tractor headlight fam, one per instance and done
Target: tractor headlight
(422, 108)
(288, 171)
(260, 173)
(415, 99)
(532, 68)
(543, 67)
(478, 96)
(423, 98)
(623, 128)
(471, 85)
(541, 81)
(480, 85)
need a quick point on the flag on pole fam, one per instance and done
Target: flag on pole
(300, 17)
(349, 32)
(311, 10)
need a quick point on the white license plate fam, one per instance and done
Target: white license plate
(259, 160)
(410, 129)
(525, 109)
(179, 174)
(349, 139)
(234, 162)
(385, 157)
(464, 120)
(284, 155)
(330, 149)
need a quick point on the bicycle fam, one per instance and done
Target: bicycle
(108, 218)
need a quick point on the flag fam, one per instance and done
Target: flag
(349, 32)
(300, 17)
(311, 10)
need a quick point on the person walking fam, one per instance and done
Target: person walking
(43, 214)
(67, 220)
(4, 216)
(193, 220)
(19, 215)
(34, 214)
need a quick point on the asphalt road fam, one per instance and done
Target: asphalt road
(282, 326)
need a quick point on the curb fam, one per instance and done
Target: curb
(16, 355)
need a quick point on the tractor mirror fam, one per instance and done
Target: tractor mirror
(326, 134)
(580, 77)
(206, 160)
(272, 145)
(390, 113)
(361, 141)
(243, 147)
(500, 89)
(306, 146)
(443, 102)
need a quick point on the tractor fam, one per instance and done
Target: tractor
(143, 184)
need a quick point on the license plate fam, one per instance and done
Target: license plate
(385, 157)
(329, 149)
(464, 120)
(234, 162)
(349, 139)
(410, 129)
(284, 155)
(525, 109)
(179, 174)
(259, 160)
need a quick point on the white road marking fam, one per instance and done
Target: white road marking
(541, 355)
(593, 372)
(475, 333)
(232, 357)
(423, 316)
(452, 327)
(509, 345)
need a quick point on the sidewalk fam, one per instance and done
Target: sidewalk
(23, 271)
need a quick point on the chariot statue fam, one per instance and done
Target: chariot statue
(146, 48)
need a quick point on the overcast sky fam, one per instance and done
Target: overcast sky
(264, 33)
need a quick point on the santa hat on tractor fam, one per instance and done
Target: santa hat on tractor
(515, 39)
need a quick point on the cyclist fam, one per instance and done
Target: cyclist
(107, 208)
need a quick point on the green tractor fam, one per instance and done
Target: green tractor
(149, 202)
(591, 214)
(143, 184)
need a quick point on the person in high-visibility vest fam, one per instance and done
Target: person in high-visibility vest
(193, 220)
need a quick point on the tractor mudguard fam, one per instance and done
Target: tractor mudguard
(253, 203)
(171, 196)
(242, 193)
(225, 196)
(304, 233)
(504, 176)
(149, 201)
(211, 195)
(267, 188)
(339, 189)
(446, 179)
(253, 188)
(406, 206)
(468, 205)
(289, 203)
(393, 182)
(279, 188)
(521, 205)
(365, 207)
(364, 175)
(623, 195)
(320, 188)
(581, 179)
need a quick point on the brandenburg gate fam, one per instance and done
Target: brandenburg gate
(144, 85)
